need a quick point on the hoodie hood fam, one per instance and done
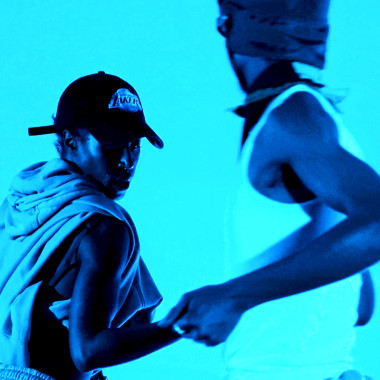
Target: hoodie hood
(38, 192)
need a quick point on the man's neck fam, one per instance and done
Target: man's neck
(274, 75)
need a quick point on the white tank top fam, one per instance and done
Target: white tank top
(305, 336)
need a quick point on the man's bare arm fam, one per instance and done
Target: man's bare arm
(301, 135)
(103, 256)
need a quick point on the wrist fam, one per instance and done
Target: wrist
(168, 331)
(245, 292)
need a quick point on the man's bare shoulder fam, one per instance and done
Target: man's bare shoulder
(302, 115)
(106, 245)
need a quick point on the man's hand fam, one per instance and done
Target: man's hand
(207, 315)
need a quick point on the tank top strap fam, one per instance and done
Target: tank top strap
(276, 102)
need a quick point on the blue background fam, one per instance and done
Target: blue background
(171, 53)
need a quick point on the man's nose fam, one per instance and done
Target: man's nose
(126, 159)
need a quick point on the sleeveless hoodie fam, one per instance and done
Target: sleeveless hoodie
(48, 204)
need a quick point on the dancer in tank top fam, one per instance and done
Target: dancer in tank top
(303, 219)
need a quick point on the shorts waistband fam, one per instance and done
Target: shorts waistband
(10, 372)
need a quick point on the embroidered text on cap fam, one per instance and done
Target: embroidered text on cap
(125, 100)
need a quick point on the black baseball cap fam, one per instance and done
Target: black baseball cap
(107, 106)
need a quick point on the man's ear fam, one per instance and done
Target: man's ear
(69, 140)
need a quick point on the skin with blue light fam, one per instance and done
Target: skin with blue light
(103, 256)
(333, 176)
(113, 169)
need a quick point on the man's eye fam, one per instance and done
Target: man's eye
(135, 146)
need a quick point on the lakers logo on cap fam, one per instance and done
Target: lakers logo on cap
(125, 100)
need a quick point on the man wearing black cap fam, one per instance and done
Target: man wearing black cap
(75, 294)
(305, 210)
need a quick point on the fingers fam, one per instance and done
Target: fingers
(182, 326)
(175, 313)
(178, 329)
(189, 330)
(185, 329)
(199, 338)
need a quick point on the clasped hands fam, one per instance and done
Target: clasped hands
(206, 315)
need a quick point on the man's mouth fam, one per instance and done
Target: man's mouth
(122, 184)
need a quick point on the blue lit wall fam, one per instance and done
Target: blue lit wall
(171, 53)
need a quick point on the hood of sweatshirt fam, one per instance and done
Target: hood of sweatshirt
(38, 192)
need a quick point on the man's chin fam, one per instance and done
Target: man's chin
(117, 190)
(115, 194)
(119, 195)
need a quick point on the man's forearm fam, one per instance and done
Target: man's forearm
(343, 251)
(116, 346)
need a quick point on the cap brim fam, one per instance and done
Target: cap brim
(45, 130)
(155, 141)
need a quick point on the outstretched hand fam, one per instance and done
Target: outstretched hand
(207, 315)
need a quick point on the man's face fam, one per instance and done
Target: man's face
(238, 62)
(113, 169)
(247, 68)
